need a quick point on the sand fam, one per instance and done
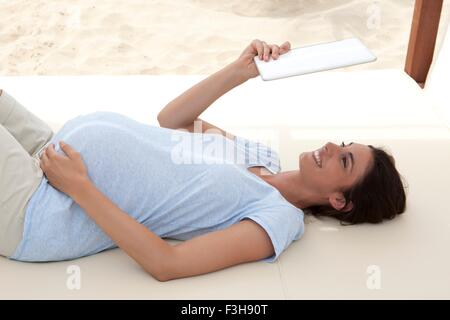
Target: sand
(112, 37)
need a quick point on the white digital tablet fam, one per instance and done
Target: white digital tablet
(314, 58)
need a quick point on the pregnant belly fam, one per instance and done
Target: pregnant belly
(128, 161)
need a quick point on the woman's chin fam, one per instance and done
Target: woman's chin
(300, 157)
(301, 161)
(306, 160)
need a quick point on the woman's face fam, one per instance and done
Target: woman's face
(337, 171)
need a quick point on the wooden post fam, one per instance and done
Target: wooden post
(422, 39)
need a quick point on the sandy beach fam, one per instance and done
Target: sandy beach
(113, 37)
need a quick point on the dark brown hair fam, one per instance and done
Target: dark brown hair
(378, 195)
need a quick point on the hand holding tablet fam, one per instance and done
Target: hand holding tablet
(245, 64)
(314, 58)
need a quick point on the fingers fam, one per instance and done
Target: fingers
(285, 47)
(265, 51)
(48, 154)
(50, 151)
(68, 150)
(275, 51)
(259, 48)
(43, 161)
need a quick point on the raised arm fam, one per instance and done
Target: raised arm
(186, 108)
(181, 112)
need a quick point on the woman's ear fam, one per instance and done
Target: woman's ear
(348, 207)
(337, 201)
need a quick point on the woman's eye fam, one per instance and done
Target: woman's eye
(344, 159)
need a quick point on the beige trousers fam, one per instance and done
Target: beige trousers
(22, 137)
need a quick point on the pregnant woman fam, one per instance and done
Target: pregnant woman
(105, 180)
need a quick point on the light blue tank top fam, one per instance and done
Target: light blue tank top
(178, 184)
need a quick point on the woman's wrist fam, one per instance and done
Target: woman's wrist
(81, 189)
(237, 69)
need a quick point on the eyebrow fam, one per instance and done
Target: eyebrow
(351, 157)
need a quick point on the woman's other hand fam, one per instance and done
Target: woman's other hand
(261, 49)
(68, 173)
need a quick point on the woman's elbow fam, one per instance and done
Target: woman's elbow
(164, 120)
(160, 118)
(160, 276)
(162, 273)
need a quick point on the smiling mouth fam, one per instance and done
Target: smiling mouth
(317, 159)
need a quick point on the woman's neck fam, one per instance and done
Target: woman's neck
(292, 188)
